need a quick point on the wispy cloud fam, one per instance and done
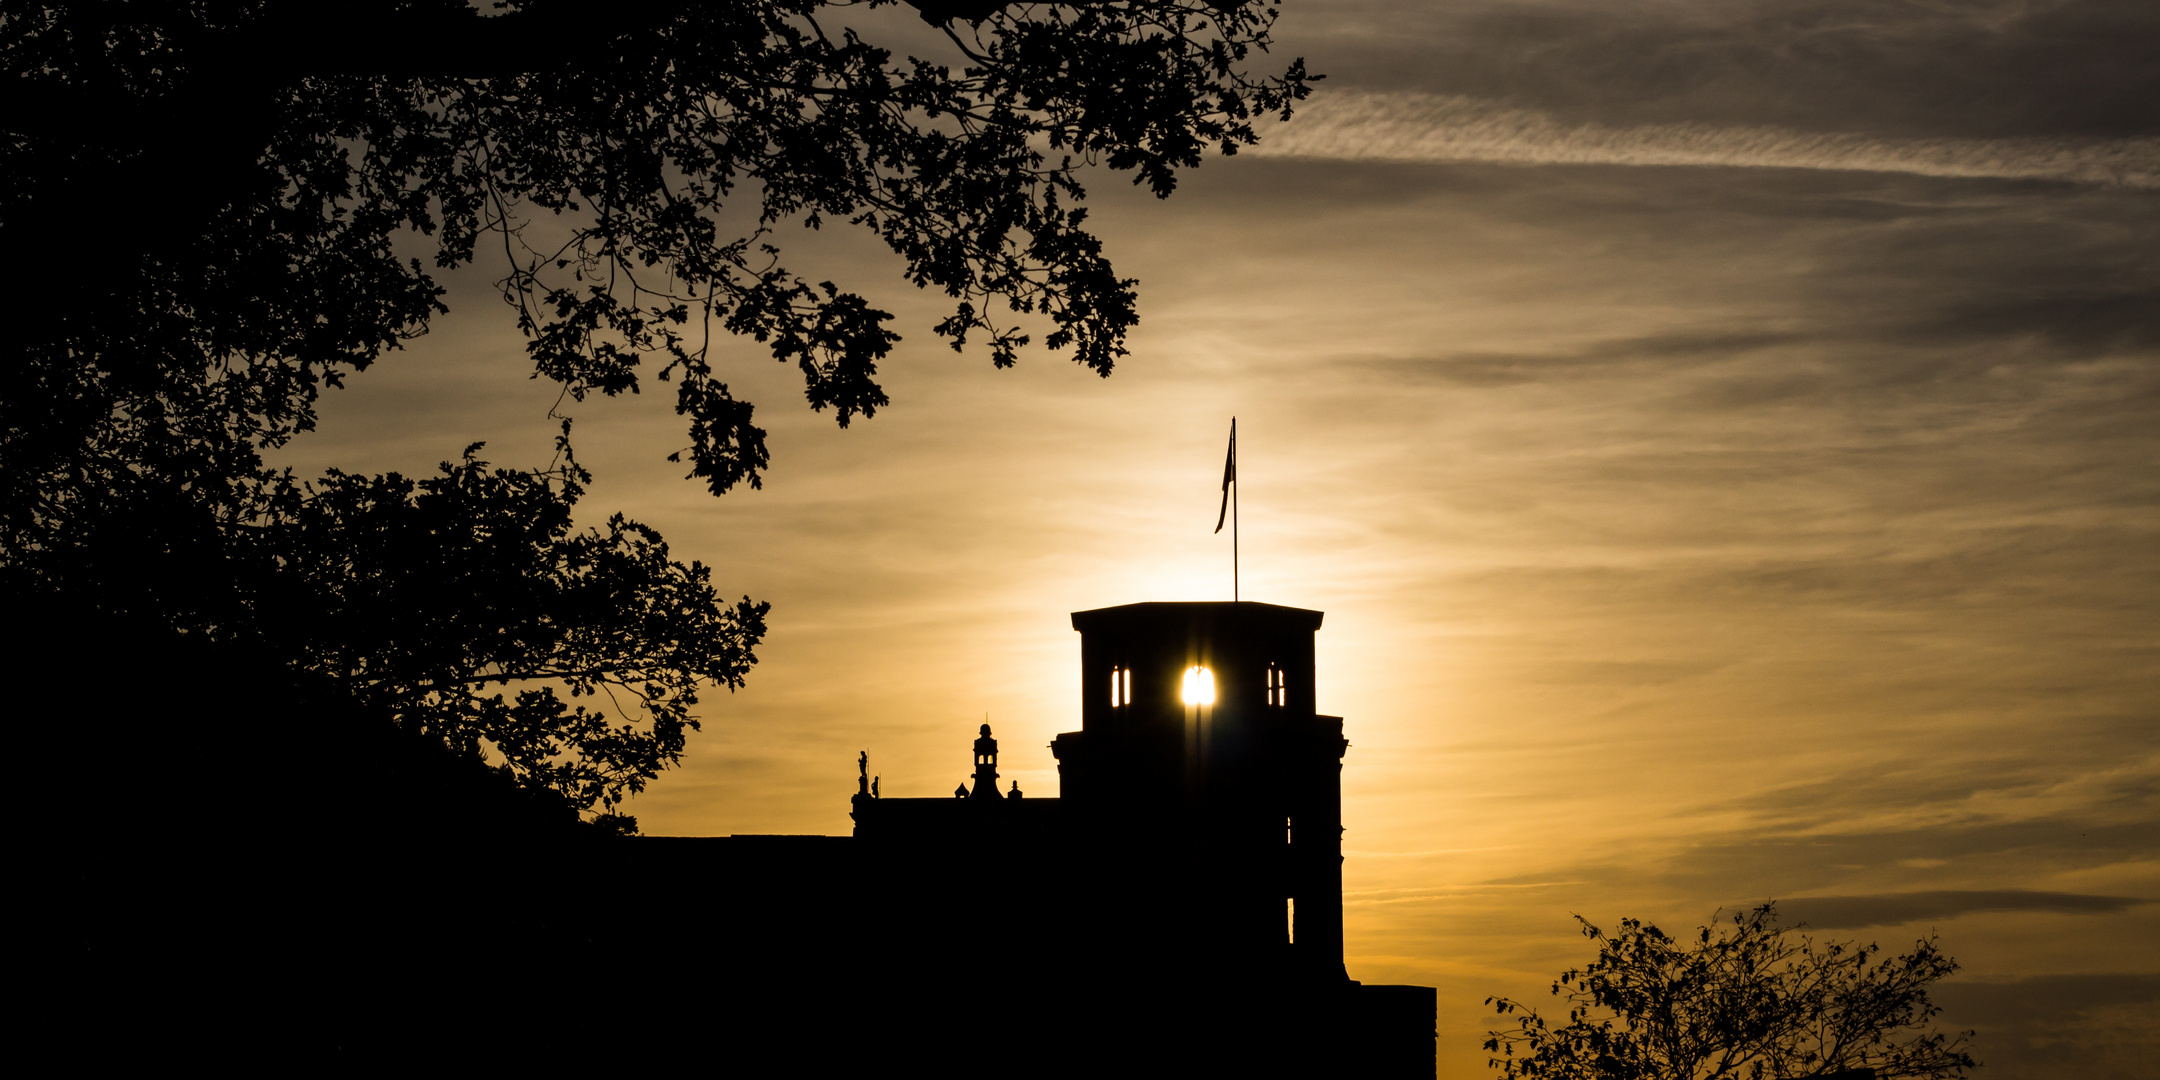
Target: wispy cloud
(1822, 912)
(1417, 127)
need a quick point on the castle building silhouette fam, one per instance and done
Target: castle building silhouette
(1179, 904)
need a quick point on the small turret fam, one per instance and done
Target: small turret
(986, 776)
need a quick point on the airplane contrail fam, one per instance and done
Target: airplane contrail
(1414, 127)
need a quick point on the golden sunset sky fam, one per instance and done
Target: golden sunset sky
(1724, 438)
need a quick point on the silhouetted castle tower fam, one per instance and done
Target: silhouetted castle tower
(1182, 895)
(1200, 744)
(1202, 776)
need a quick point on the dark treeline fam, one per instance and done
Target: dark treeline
(332, 765)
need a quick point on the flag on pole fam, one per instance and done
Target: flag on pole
(1229, 476)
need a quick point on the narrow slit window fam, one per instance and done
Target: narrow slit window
(1120, 686)
(1290, 919)
(1277, 692)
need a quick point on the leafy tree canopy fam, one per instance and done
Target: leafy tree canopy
(214, 209)
(1752, 999)
(226, 182)
(421, 595)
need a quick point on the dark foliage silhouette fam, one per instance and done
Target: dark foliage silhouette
(220, 208)
(1752, 999)
(245, 864)
(421, 595)
(460, 607)
(592, 151)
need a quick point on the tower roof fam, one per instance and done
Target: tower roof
(1168, 612)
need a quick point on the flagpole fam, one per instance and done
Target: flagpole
(1229, 509)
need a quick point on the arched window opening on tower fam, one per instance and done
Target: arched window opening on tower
(1120, 687)
(1277, 692)
(1199, 686)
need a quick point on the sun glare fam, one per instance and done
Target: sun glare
(1199, 686)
